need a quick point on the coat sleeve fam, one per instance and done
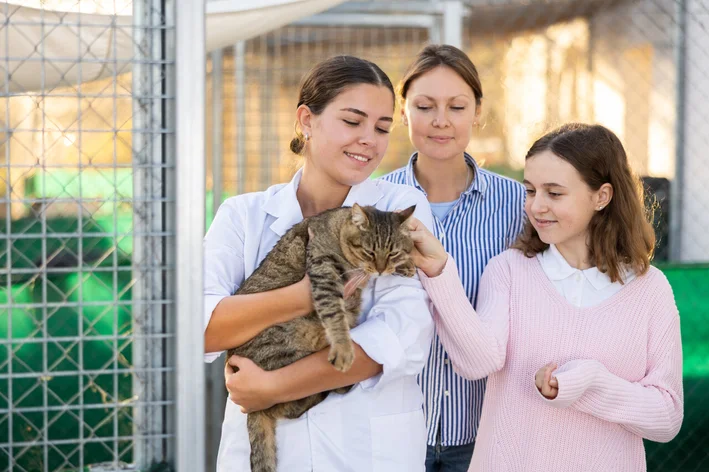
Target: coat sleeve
(398, 329)
(223, 248)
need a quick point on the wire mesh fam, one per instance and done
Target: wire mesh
(84, 371)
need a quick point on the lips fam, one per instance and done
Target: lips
(441, 139)
(358, 157)
(543, 223)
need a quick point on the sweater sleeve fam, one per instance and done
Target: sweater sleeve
(652, 407)
(475, 342)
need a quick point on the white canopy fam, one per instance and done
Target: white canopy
(44, 46)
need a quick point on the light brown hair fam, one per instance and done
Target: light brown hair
(619, 234)
(436, 55)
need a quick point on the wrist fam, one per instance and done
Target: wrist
(276, 387)
(436, 267)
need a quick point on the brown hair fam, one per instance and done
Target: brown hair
(331, 77)
(619, 234)
(436, 55)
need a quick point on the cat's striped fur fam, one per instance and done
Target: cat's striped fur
(330, 247)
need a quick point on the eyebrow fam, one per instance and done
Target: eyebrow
(450, 98)
(547, 185)
(361, 113)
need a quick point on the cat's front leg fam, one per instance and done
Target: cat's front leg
(329, 303)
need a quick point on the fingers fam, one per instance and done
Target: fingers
(539, 379)
(417, 235)
(545, 383)
(234, 360)
(414, 224)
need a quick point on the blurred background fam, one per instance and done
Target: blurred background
(87, 178)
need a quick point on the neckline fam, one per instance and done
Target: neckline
(557, 297)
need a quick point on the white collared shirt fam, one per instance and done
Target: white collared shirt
(581, 288)
(379, 425)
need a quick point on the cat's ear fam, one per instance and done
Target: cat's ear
(359, 217)
(311, 235)
(406, 214)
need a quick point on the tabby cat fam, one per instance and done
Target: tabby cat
(331, 247)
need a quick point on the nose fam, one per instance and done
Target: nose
(381, 266)
(367, 139)
(441, 119)
(537, 205)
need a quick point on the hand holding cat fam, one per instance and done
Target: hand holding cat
(546, 384)
(428, 254)
(251, 387)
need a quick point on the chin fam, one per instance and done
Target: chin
(547, 238)
(441, 153)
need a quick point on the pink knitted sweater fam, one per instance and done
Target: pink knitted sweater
(620, 374)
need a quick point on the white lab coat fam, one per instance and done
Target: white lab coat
(379, 425)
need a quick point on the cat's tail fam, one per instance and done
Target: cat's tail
(262, 436)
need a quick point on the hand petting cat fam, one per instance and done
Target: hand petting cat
(428, 254)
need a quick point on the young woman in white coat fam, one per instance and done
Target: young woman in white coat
(344, 113)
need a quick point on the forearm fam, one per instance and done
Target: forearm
(476, 347)
(649, 408)
(314, 374)
(239, 318)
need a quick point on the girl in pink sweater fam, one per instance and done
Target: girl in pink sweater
(578, 333)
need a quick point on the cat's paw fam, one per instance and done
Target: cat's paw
(341, 356)
(407, 270)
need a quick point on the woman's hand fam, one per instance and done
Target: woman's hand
(249, 386)
(428, 254)
(546, 384)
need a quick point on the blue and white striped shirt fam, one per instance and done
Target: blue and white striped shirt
(483, 223)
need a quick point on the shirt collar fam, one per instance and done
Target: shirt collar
(479, 184)
(284, 206)
(556, 267)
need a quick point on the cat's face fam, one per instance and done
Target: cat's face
(378, 242)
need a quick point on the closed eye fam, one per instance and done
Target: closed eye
(396, 256)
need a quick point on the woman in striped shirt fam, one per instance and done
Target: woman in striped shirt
(477, 215)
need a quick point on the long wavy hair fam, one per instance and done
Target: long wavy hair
(621, 233)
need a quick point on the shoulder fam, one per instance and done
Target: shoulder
(246, 202)
(511, 260)
(657, 286)
(396, 176)
(396, 192)
(502, 186)
(236, 211)
(399, 197)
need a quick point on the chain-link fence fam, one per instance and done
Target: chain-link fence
(84, 302)
(639, 67)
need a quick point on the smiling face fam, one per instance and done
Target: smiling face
(440, 112)
(351, 135)
(559, 203)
